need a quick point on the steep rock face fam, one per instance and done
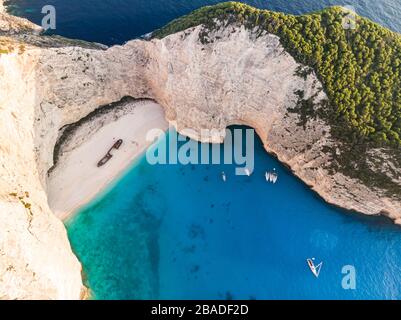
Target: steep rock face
(36, 261)
(237, 77)
(241, 77)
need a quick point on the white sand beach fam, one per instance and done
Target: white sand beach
(77, 179)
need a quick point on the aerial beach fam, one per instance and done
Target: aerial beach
(147, 231)
(76, 178)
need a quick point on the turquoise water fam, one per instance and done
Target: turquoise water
(179, 232)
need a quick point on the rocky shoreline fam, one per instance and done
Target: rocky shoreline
(237, 76)
(10, 25)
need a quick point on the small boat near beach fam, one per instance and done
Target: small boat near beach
(108, 155)
(223, 176)
(271, 176)
(315, 269)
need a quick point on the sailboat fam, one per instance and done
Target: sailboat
(267, 176)
(315, 269)
(248, 173)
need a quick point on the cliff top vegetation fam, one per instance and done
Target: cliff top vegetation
(358, 62)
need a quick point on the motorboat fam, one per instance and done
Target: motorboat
(271, 176)
(223, 176)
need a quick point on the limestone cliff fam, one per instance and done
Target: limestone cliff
(237, 77)
(36, 261)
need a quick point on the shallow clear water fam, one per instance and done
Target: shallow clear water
(180, 232)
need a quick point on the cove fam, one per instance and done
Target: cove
(177, 232)
(180, 232)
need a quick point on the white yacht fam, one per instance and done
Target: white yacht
(223, 176)
(271, 176)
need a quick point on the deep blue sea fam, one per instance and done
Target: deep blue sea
(180, 232)
(116, 21)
